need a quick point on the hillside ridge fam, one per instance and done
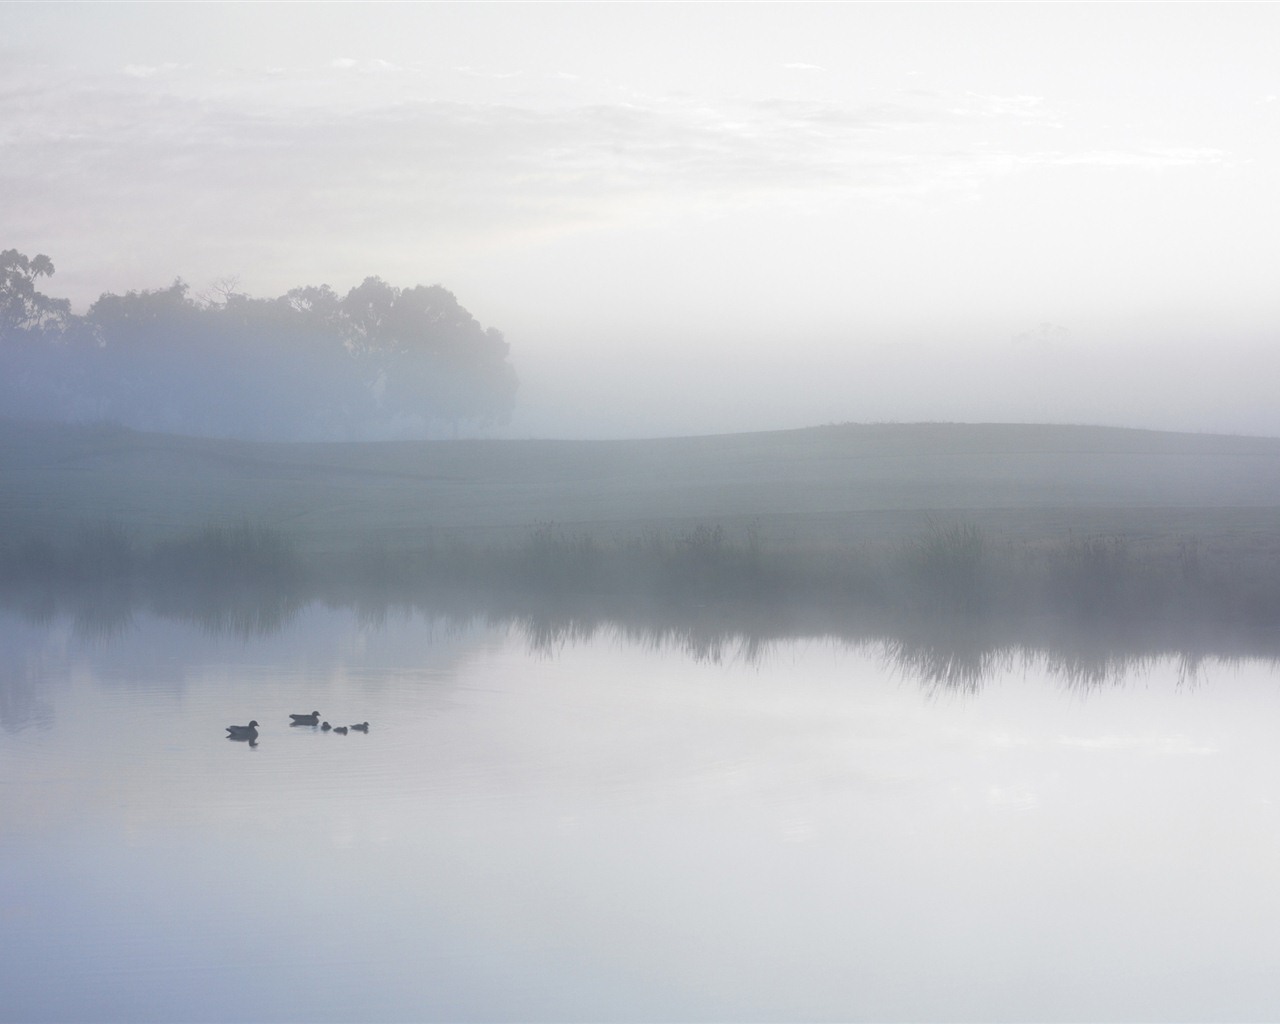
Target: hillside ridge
(819, 485)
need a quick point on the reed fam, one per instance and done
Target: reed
(705, 574)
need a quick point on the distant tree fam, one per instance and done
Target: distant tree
(430, 358)
(365, 311)
(315, 306)
(165, 316)
(22, 307)
(39, 378)
(380, 361)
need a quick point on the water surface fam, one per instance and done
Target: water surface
(608, 829)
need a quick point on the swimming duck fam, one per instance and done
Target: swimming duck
(243, 732)
(362, 727)
(341, 730)
(311, 719)
(325, 727)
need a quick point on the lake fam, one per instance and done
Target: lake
(603, 827)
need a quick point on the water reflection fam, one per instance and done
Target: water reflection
(48, 639)
(937, 649)
(22, 699)
(597, 819)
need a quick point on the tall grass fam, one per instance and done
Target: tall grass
(698, 583)
(228, 557)
(949, 569)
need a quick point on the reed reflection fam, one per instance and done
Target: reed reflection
(936, 647)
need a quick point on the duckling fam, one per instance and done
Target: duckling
(311, 719)
(341, 730)
(243, 732)
(362, 727)
(325, 727)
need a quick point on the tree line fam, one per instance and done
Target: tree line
(379, 362)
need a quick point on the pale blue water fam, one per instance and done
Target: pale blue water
(613, 831)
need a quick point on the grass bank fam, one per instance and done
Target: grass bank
(924, 535)
(952, 588)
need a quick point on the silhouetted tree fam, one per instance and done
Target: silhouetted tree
(379, 362)
(165, 316)
(430, 358)
(22, 307)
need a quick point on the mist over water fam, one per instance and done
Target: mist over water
(602, 826)
(738, 220)
(935, 647)
(686, 433)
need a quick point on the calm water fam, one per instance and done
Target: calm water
(604, 830)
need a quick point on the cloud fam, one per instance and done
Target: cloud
(1018, 797)
(1142, 157)
(274, 161)
(473, 72)
(1021, 107)
(149, 70)
(371, 66)
(801, 66)
(503, 152)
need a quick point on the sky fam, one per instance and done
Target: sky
(698, 218)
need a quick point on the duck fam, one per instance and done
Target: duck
(243, 732)
(341, 730)
(362, 727)
(311, 719)
(325, 727)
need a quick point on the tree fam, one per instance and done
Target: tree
(365, 312)
(379, 362)
(22, 307)
(315, 306)
(165, 316)
(428, 357)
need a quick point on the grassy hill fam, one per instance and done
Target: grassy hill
(956, 542)
(809, 489)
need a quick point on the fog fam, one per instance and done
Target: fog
(1159, 380)
(930, 710)
(697, 218)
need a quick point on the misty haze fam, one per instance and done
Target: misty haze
(777, 509)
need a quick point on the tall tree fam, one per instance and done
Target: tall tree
(22, 306)
(379, 362)
(429, 357)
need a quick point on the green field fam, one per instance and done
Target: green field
(813, 489)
